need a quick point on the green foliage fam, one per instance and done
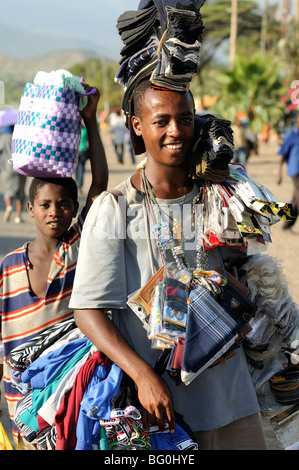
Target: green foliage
(254, 86)
(101, 73)
(13, 93)
(216, 16)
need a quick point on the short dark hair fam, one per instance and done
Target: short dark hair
(68, 183)
(138, 96)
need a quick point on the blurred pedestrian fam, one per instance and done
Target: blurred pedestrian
(240, 141)
(119, 131)
(13, 182)
(82, 158)
(252, 144)
(130, 147)
(266, 132)
(289, 154)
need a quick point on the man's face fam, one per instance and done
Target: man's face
(166, 124)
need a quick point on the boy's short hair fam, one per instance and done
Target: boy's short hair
(68, 183)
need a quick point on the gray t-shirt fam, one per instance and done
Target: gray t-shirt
(115, 259)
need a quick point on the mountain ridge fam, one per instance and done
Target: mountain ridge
(23, 44)
(18, 70)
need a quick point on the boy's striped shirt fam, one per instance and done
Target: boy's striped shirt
(24, 315)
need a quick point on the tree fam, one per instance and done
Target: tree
(254, 25)
(253, 86)
(216, 16)
(101, 74)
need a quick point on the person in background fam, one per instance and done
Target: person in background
(13, 182)
(241, 150)
(82, 157)
(130, 147)
(119, 131)
(289, 154)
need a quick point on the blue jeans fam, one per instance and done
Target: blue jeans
(83, 156)
(240, 156)
(119, 150)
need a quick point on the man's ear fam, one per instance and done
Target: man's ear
(136, 125)
(30, 209)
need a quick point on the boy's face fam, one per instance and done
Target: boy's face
(166, 124)
(53, 210)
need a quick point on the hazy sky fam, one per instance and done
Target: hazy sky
(90, 20)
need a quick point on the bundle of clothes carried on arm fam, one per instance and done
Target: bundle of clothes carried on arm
(76, 398)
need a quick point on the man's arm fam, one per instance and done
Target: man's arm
(153, 393)
(98, 162)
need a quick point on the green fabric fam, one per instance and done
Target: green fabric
(83, 142)
(103, 441)
(40, 396)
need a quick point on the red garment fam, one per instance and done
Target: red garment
(67, 414)
(42, 424)
(177, 359)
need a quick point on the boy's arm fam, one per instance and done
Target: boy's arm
(98, 162)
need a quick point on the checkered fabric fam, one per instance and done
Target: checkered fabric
(210, 332)
(47, 133)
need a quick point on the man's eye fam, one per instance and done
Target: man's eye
(161, 123)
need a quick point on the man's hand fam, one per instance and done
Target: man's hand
(153, 393)
(156, 402)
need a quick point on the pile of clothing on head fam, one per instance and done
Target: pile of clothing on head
(164, 38)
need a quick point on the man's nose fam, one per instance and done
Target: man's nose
(54, 210)
(175, 129)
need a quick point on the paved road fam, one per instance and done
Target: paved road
(262, 167)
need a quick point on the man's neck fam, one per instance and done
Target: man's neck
(168, 182)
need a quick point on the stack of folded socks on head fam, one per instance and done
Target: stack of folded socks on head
(162, 39)
(179, 47)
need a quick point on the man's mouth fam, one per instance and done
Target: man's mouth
(53, 223)
(174, 146)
